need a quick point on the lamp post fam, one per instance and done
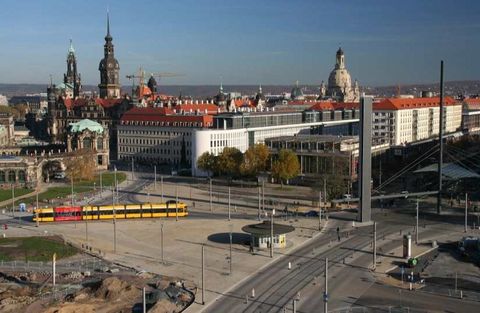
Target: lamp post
(13, 200)
(229, 203)
(231, 261)
(176, 203)
(211, 201)
(155, 177)
(319, 211)
(101, 182)
(161, 242)
(271, 233)
(161, 186)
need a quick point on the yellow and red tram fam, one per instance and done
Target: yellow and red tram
(104, 212)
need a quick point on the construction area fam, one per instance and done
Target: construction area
(83, 283)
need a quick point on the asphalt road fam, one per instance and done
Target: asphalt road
(276, 286)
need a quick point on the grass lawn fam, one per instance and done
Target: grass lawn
(34, 249)
(60, 192)
(6, 194)
(107, 180)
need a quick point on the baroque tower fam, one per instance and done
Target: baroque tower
(109, 69)
(72, 77)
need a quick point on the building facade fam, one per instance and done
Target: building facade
(90, 136)
(244, 129)
(471, 115)
(401, 120)
(17, 171)
(159, 135)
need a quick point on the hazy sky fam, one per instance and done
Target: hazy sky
(244, 41)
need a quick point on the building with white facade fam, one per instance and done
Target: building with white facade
(244, 129)
(159, 135)
(401, 121)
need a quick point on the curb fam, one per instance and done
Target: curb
(260, 269)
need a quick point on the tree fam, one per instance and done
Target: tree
(207, 162)
(229, 161)
(81, 165)
(255, 160)
(336, 187)
(286, 166)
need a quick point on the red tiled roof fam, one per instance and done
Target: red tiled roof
(472, 103)
(321, 106)
(327, 105)
(411, 103)
(164, 115)
(105, 103)
(186, 107)
(242, 103)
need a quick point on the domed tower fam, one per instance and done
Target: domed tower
(297, 93)
(220, 98)
(260, 98)
(340, 82)
(152, 84)
(109, 69)
(72, 77)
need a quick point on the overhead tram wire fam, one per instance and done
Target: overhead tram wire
(466, 157)
(460, 162)
(408, 167)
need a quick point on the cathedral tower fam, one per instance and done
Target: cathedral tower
(109, 69)
(72, 77)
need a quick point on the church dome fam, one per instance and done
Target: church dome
(339, 78)
(297, 93)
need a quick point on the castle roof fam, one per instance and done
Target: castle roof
(86, 124)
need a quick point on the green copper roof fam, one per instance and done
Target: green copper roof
(86, 124)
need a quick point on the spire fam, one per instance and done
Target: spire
(260, 88)
(108, 37)
(71, 50)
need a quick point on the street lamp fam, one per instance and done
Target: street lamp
(271, 232)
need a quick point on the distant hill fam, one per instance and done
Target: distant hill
(204, 91)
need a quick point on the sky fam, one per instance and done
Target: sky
(386, 42)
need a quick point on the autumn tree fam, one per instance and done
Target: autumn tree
(207, 162)
(229, 161)
(255, 160)
(286, 166)
(81, 165)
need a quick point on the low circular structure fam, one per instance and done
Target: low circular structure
(261, 234)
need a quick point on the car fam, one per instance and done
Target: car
(59, 175)
(311, 213)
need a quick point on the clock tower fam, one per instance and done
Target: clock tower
(109, 69)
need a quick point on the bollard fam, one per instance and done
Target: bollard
(343, 260)
(461, 294)
(246, 299)
(253, 293)
(289, 265)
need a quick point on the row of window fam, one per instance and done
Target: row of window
(153, 133)
(148, 141)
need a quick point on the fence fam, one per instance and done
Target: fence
(379, 309)
(83, 265)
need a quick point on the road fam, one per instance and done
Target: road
(276, 286)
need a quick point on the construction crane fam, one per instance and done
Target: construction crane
(140, 75)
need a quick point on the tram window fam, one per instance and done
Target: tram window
(40, 215)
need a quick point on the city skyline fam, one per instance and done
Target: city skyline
(243, 43)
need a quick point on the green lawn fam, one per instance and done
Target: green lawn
(107, 180)
(34, 249)
(78, 188)
(6, 194)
